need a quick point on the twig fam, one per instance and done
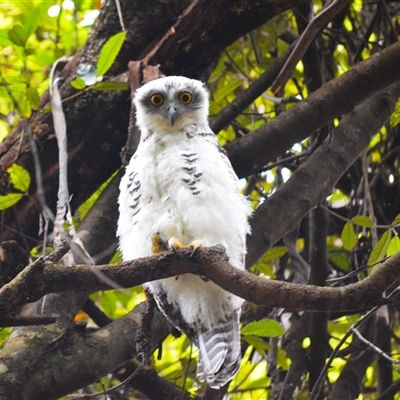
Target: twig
(317, 387)
(305, 40)
(121, 19)
(108, 391)
(256, 89)
(373, 347)
(38, 172)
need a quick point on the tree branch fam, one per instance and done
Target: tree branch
(212, 263)
(314, 180)
(251, 153)
(85, 358)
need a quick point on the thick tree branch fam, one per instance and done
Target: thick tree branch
(73, 359)
(212, 263)
(252, 153)
(314, 180)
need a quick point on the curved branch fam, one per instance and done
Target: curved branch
(212, 263)
(314, 180)
(252, 153)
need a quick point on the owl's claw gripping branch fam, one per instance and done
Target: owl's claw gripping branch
(174, 244)
(195, 245)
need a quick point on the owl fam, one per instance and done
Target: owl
(179, 189)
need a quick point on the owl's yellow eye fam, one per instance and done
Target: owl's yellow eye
(185, 98)
(157, 99)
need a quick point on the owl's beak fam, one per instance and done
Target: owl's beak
(172, 115)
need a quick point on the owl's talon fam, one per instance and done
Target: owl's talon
(195, 245)
(174, 244)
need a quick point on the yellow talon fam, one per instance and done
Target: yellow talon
(174, 244)
(195, 245)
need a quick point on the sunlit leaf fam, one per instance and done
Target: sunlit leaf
(31, 21)
(338, 199)
(4, 38)
(9, 200)
(109, 86)
(362, 220)
(78, 83)
(395, 118)
(265, 268)
(341, 259)
(257, 342)
(109, 53)
(19, 177)
(264, 328)
(397, 219)
(380, 249)
(18, 35)
(394, 246)
(274, 253)
(33, 97)
(349, 237)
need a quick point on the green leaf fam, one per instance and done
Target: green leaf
(264, 328)
(397, 219)
(31, 22)
(258, 343)
(395, 118)
(33, 97)
(109, 53)
(9, 200)
(78, 83)
(109, 86)
(394, 246)
(264, 268)
(4, 38)
(362, 220)
(18, 35)
(349, 237)
(341, 259)
(19, 177)
(380, 249)
(274, 253)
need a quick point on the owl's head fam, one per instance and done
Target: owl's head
(169, 104)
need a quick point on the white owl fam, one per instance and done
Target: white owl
(180, 189)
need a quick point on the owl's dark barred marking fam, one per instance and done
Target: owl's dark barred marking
(180, 187)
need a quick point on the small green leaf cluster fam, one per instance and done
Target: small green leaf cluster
(387, 245)
(108, 54)
(33, 35)
(20, 180)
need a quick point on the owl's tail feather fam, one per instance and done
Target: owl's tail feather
(219, 352)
